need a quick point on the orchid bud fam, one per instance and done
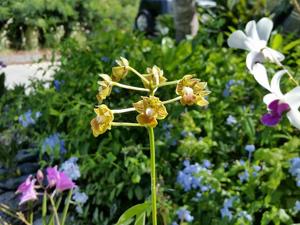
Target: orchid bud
(40, 176)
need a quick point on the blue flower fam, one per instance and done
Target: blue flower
(245, 215)
(70, 168)
(225, 212)
(231, 120)
(228, 203)
(28, 118)
(184, 215)
(250, 148)
(297, 206)
(295, 169)
(57, 84)
(80, 198)
(244, 176)
(105, 59)
(242, 162)
(52, 142)
(206, 163)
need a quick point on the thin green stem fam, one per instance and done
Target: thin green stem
(289, 74)
(139, 75)
(57, 206)
(44, 209)
(126, 124)
(31, 213)
(54, 210)
(129, 87)
(169, 83)
(117, 111)
(65, 211)
(153, 175)
(172, 100)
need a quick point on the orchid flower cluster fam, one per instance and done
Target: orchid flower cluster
(189, 90)
(254, 40)
(50, 190)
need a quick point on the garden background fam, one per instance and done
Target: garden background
(249, 172)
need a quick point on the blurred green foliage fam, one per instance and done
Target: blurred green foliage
(115, 166)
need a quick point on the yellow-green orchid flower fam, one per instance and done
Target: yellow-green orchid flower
(192, 91)
(119, 72)
(150, 109)
(102, 122)
(155, 76)
(105, 87)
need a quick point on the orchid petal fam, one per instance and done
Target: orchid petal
(293, 97)
(264, 28)
(273, 55)
(251, 30)
(269, 98)
(275, 83)
(252, 58)
(238, 40)
(294, 117)
(270, 120)
(260, 75)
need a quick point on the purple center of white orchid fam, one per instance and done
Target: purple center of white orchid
(276, 108)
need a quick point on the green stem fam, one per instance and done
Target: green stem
(169, 83)
(31, 213)
(117, 111)
(54, 210)
(44, 209)
(56, 206)
(65, 212)
(139, 75)
(126, 124)
(130, 87)
(289, 74)
(153, 175)
(172, 100)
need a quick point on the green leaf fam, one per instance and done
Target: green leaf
(141, 219)
(291, 45)
(276, 41)
(132, 212)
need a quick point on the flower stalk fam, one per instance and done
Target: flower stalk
(153, 175)
(138, 74)
(129, 87)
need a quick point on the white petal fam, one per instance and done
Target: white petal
(275, 83)
(273, 55)
(237, 40)
(293, 98)
(269, 98)
(264, 28)
(252, 58)
(251, 30)
(294, 117)
(260, 75)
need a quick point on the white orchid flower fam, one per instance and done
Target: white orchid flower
(279, 103)
(255, 40)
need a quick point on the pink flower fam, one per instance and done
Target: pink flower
(59, 179)
(27, 190)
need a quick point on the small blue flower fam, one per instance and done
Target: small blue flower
(174, 223)
(80, 198)
(295, 169)
(231, 120)
(206, 163)
(225, 212)
(57, 84)
(184, 215)
(70, 168)
(28, 118)
(242, 162)
(105, 59)
(297, 206)
(244, 176)
(250, 148)
(245, 215)
(52, 142)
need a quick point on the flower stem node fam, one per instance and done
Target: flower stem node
(103, 121)
(150, 109)
(120, 71)
(192, 91)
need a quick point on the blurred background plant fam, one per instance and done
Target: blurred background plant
(235, 188)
